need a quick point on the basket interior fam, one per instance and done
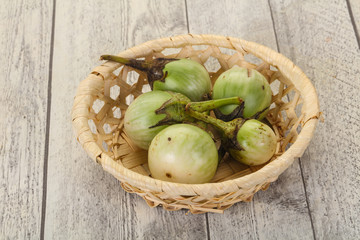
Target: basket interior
(125, 84)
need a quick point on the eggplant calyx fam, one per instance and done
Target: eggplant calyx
(155, 72)
(257, 115)
(238, 112)
(229, 130)
(231, 138)
(153, 68)
(174, 109)
(141, 65)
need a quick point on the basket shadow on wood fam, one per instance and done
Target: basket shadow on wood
(103, 98)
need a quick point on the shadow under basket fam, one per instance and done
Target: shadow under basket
(103, 97)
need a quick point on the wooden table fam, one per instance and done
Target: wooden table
(49, 187)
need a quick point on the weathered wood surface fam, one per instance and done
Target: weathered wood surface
(316, 198)
(270, 214)
(25, 34)
(319, 37)
(84, 202)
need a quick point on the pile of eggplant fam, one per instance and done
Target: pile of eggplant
(173, 120)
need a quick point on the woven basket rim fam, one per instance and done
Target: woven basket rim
(270, 171)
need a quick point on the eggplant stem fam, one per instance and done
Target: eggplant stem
(137, 64)
(212, 104)
(238, 112)
(217, 123)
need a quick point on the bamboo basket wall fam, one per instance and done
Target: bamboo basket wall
(103, 97)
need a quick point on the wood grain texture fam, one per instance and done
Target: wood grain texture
(25, 33)
(246, 19)
(271, 214)
(319, 37)
(84, 202)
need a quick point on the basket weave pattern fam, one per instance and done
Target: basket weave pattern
(103, 97)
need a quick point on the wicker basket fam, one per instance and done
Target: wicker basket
(103, 97)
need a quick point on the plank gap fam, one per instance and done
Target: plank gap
(357, 36)
(187, 17)
(273, 24)
(47, 129)
(207, 224)
(307, 199)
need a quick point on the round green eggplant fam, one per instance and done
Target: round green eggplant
(184, 76)
(258, 143)
(187, 77)
(183, 153)
(140, 116)
(248, 84)
(248, 141)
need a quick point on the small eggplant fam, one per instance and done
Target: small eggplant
(140, 116)
(249, 85)
(183, 153)
(170, 74)
(248, 141)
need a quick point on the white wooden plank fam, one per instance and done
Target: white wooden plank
(84, 202)
(244, 19)
(319, 37)
(271, 214)
(25, 33)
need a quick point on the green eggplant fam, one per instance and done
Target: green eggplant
(184, 76)
(249, 85)
(248, 141)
